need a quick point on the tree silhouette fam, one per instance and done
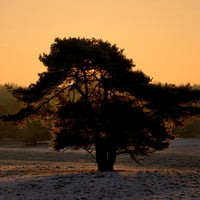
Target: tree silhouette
(93, 96)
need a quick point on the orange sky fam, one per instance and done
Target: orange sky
(161, 36)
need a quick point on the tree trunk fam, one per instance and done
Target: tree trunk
(105, 155)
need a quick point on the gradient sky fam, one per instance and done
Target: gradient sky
(161, 36)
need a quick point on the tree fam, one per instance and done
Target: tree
(8, 104)
(94, 96)
(32, 132)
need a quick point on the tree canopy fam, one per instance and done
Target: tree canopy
(94, 96)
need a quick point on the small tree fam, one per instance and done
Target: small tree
(94, 96)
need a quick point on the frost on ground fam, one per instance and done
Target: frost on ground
(39, 173)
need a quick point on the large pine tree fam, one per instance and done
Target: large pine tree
(93, 96)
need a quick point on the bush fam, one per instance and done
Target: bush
(34, 132)
(8, 130)
(192, 130)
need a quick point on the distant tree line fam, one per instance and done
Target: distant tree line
(35, 130)
(192, 126)
(32, 132)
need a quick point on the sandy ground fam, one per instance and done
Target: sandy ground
(38, 173)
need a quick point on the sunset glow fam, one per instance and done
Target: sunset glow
(162, 37)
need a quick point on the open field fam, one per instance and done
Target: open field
(40, 173)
